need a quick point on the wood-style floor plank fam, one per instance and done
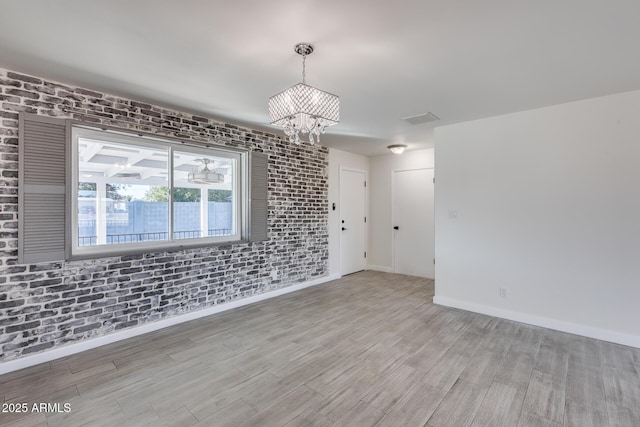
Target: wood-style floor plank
(368, 349)
(415, 408)
(460, 406)
(622, 387)
(285, 409)
(580, 415)
(361, 415)
(546, 396)
(585, 384)
(621, 416)
(515, 370)
(501, 406)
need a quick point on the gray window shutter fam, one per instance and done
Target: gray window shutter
(42, 187)
(258, 171)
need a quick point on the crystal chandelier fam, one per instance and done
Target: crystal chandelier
(205, 176)
(303, 109)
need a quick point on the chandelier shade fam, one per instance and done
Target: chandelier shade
(303, 109)
(206, 175)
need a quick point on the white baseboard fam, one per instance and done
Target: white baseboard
(545, 322)
(56, 353)
(379, 268)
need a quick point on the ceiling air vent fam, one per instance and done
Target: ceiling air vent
(421, 118)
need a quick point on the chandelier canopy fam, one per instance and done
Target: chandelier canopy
(303, 109)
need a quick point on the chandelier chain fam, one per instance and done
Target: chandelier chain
(304, 68)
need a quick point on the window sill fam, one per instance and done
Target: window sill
(172, 247)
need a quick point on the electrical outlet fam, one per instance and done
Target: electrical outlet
(274, 274)
(503, 292)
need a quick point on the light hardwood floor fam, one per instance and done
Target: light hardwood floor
(369, 349)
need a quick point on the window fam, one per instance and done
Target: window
(131, 193)
(81, 191)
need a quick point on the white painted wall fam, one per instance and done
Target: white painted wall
(380, 205)
(339, 159)
(548, 207)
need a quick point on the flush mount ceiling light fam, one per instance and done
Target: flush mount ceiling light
(397, 148)
(205, 176)
(303, 109)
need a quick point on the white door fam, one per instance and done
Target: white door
(352, 221)
(413, 225)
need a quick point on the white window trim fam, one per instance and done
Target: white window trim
(239, 192)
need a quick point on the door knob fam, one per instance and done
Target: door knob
(396, 227)
(343, 228)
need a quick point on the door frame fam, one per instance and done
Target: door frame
(366, 212)
(393, 210)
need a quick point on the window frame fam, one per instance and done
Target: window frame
(240, 191)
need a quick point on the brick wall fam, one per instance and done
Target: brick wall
(46, 305)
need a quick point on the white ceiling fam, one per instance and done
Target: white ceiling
(460, 59)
